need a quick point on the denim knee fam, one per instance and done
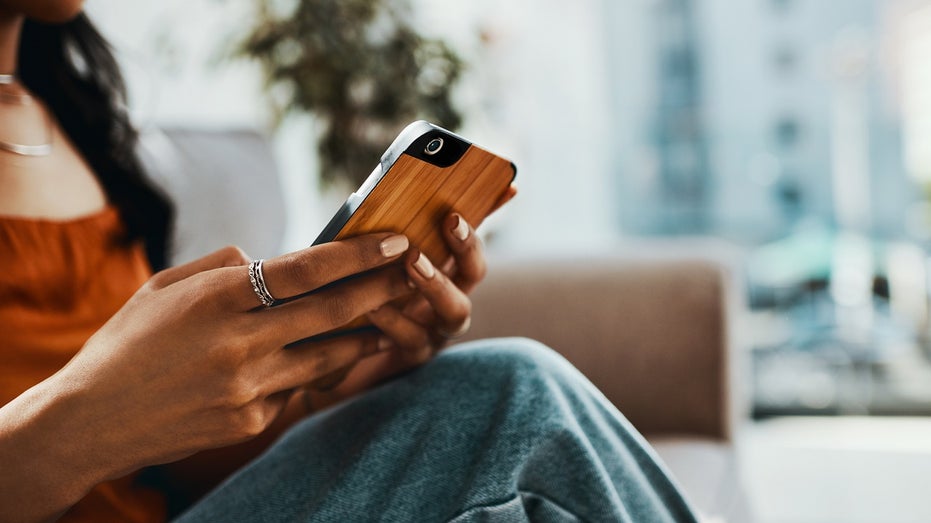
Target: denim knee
(498, 361)
(517, 355)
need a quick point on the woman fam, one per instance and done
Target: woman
(107, 372)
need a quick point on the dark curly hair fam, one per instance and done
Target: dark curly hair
(71, 67)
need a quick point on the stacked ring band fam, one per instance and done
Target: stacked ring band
(257, 278)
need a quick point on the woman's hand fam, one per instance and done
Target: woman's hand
(440, 312)
(193, 361)
(443, 309)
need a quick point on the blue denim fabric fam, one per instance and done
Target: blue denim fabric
(494, 430)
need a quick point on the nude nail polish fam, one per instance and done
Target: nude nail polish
(394, 245)
(461, 230)
(424, 267)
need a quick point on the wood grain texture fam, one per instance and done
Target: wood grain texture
(414, 197)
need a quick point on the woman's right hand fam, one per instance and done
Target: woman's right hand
(193, 361)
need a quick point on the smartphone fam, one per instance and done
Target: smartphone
(425, 174)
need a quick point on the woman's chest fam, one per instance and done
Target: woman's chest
(57, 186)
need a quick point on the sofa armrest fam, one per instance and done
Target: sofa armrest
(651, 335)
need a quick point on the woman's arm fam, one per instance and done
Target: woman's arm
(191, 362)
(49, 460)
(187, 480)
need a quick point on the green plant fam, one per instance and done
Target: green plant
(357, 65)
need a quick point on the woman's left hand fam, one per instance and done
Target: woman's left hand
(442, 309)
(413, 334)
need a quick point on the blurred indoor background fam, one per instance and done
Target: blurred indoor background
(798, 132)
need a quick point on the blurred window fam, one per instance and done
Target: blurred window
(786, 132)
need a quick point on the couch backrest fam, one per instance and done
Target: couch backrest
(225, 187)
(652, 335)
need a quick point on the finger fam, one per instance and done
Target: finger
(276, 403)
(453, 308)
(398, 330)
(508, 195)
(300, 272)
(331, 380)
(303, 362)
(331, 307)
(419, 310)
(229, 256)
(365, 374)
(422, 312)
(468, 252)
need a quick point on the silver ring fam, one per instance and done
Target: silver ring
(257, 277)
(460, 332)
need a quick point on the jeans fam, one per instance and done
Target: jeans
(493, 430)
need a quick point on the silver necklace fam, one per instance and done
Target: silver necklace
(44, 149)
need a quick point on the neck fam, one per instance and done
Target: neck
(11, 25)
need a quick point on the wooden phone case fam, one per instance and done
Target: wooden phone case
(470, 187)
(411, 192)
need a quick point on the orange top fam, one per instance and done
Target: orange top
(60, 281)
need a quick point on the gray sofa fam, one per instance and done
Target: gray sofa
(651, 330)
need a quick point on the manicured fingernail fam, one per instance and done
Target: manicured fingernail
(394, 245)
(461, 230)
(383, 344)
(424, 267)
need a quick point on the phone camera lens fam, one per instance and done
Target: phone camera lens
(433, 146)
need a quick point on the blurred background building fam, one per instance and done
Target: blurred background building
(743, 101)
